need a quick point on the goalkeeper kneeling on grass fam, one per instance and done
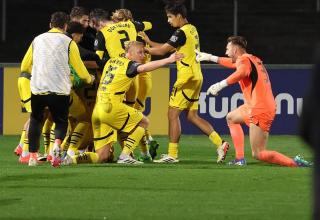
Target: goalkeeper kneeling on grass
(259, 109)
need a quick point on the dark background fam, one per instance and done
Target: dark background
(278, 31)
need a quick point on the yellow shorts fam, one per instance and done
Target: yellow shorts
(77, 108)
(131, 94)
(25, 91)
(186, 96)
(103, 134)
(144, 89)
(118, 115)
(108, 118)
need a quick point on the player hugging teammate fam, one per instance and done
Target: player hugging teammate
(97, 95)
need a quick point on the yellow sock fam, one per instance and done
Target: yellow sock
(215, 138)
(87, 157)
(46, 141)
(46, 134)
(25, 147)
(80, 135)
(66, 142)
(52, 138)
(173, 150)
(22, 137)
(144, 146)
(132, 140)
(47, 126)
(148, 135)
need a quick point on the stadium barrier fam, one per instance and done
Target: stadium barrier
(289, 83)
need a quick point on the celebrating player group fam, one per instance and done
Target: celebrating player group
(86, 80)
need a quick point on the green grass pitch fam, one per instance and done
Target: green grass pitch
(196, 188)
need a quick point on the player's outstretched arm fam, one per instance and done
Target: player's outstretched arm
(215, 88)
(148, 41)
(159, 63)
(201, 56)
(156, 48)
(223, 61)
(243, 70)
(162, 50)
(76, 62)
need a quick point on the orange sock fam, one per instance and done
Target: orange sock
(237, 136)
(276, 158)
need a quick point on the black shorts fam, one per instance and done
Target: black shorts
(58, 106)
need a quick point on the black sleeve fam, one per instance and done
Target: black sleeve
(132, 69)
(138, 25)
(88, 38)
(177, 39)
(100, 43)
(88, 55)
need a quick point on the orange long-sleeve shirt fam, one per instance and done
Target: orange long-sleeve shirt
(254, 82)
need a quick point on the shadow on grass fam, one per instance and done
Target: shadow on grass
(183, 164)
(186, 164)
(6, 202)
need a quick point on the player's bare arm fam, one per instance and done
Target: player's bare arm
(158, 63)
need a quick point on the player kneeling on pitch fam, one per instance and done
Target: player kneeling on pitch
(259, 108)
(111, 115)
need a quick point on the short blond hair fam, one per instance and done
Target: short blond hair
(121, 15)
(129, 44)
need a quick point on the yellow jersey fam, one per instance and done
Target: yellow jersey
(110, 41)
(186, 40)
(118, 75)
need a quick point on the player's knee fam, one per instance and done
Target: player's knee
(192, 117)
(229, 118)
(172, 114)
(144, 122)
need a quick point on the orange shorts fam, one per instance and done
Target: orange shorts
(262, 119)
